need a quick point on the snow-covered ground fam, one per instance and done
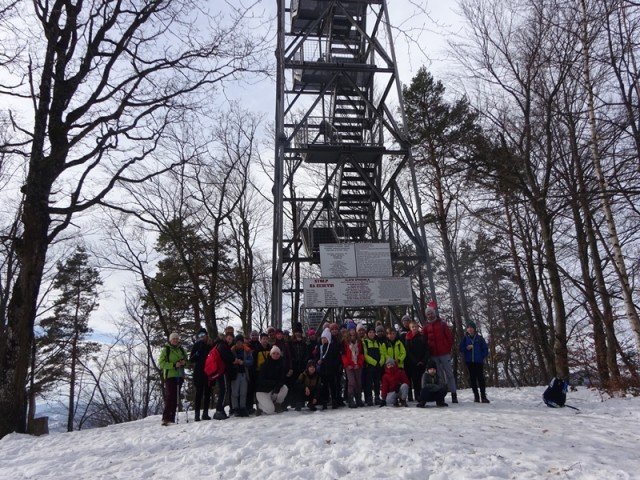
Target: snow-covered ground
(515, 437)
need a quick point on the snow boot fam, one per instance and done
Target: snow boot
(454, 398)
(485, 399)
(220, 415)
(197, 416)
(442, 404)
(476, 396)
(205, 415)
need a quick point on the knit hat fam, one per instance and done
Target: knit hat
(202, 333)
(390, 362)
(271, 330)
(239, 338)
(379, 329)
(428, 311)
(174, 335)
(361, 327)
(351, 325)
(275, 349)
(406, 317)
(471, 324)
(311, 332)
(431, 364)
(254, 333)
(326, 334)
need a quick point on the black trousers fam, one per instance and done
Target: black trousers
(476, 377)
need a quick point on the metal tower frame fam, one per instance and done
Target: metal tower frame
(343, 165)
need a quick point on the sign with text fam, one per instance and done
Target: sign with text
(357, 292)
(355, 260)
(338, 260)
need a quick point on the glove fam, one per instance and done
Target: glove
(383, 403)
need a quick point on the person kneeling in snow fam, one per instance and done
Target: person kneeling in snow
(395, 385)
(271, 388)
(308, 387)
(432, 390)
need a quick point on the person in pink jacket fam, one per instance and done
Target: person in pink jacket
(353, 362)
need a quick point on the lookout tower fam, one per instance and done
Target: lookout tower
(343, 167)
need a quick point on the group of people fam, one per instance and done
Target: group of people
(352, 365)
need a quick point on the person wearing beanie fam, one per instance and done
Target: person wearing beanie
(372, 368)
(271, 390)
(172, 361)
(328, 361)
(239, 376)
(308, 387)
(433, 390)
(394, 388)
(197, 357)
(440, 340)
(475, 350)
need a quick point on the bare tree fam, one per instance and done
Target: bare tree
(105, 80)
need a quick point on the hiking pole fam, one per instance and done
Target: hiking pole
(177, 400)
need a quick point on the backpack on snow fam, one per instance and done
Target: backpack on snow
(214, 365)
(555, 396)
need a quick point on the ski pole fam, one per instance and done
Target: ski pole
(177, 400)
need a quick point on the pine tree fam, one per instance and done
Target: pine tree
(63, 343)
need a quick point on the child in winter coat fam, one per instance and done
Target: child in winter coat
(353, 362)
(432, 389)
(475, 350)
(395, 385)
(308, 387)
(240, 381)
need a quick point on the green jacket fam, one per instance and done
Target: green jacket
(168, 358)
(395, 350)
(372, 353)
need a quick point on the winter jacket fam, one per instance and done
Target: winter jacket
(246, 355)
(329, 359)
(197, 357)
(299, 355)
(272, 375)
(392, 378)
(260, 356)
(478, 353)
(417, 350)
(285, 353)
(309, 381)
(169, 356)
(226, 355)
(372, 354)
(395, 350)
(438, 336)
(431, 383)
(350, 350)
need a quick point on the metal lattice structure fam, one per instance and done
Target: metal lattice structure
(343, 171)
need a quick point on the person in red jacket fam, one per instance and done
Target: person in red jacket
(353, 362)
(440, 340)
(395, 385)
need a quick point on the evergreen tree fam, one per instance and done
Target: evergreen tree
(64, 344)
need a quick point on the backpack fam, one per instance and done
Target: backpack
(213, 365)
(555, 395)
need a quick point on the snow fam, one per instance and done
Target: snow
(515, 437)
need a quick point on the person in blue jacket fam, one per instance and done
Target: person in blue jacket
(475, 350)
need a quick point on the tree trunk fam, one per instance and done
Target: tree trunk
(618, 257)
